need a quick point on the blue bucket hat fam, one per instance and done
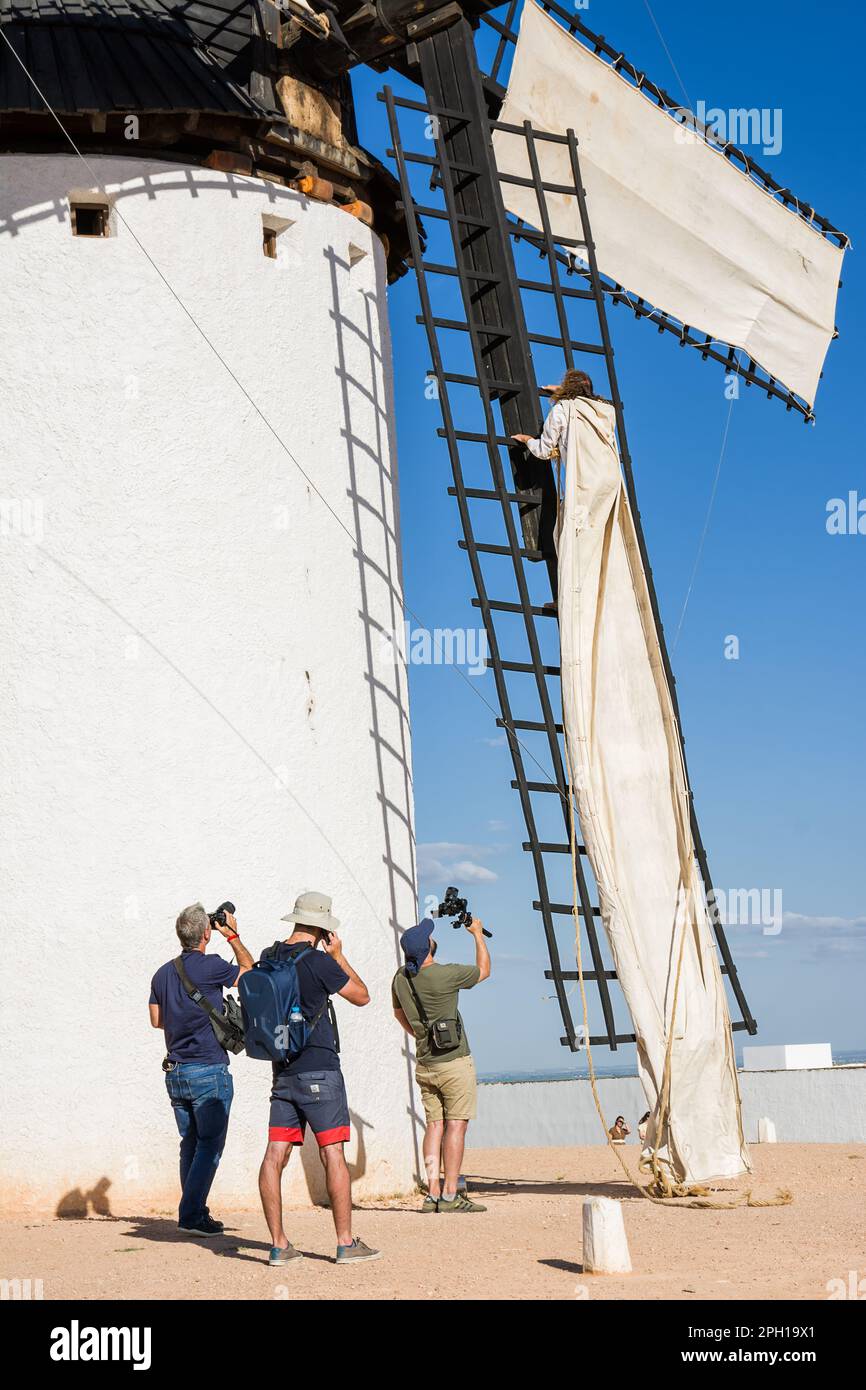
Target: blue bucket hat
(416, 944)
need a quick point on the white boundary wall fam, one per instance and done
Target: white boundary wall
(821, 1107)
(187, 705)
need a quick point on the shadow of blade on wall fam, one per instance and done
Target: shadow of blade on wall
(372, 491)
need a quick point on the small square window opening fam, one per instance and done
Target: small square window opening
(89, 219)
(273, 228)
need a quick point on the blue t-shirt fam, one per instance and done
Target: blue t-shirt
(318, 978)
(189, 1036)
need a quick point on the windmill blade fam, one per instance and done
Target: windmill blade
(753, 285)
(449, 189)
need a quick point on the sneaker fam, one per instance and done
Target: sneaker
(206, 1226)
(460, 1203)
(354, 1253)
(283, 1255)
(429, 1204)
(214, 1219)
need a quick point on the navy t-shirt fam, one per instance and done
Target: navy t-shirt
(189, 1035)
(318, 977)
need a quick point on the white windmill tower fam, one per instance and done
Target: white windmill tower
(200, 551)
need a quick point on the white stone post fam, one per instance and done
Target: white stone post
(605, 1247)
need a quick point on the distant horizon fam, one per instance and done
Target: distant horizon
(606, 1070)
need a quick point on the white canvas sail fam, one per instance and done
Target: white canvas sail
(633, 805)
(673, 220)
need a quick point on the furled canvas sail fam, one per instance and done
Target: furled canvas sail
(630, 788)
(674, 221)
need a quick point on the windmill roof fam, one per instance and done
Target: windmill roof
(126, 55)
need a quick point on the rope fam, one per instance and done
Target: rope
(661, 1191)
(667, 50)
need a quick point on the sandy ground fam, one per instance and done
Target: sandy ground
(527, 1245)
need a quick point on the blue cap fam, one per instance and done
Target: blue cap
(416, 944)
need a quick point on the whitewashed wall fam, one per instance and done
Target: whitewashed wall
(188, 707)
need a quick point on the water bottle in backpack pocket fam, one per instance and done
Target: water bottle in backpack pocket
(275, 1028)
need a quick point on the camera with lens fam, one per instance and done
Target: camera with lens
(454, 906)
(220, 915)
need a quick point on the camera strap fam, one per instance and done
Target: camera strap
(419, 1006)
(444, 1034)
(227, 1024)
(195, 993)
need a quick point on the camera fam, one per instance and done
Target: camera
(457, 907)
(452, 906)
(220, 915)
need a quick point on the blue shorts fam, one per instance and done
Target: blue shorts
(314, 1098)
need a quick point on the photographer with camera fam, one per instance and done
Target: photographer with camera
(308, 1086)
(186, 1001)
(424, 995)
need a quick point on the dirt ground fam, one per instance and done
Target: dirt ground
(527, 1245)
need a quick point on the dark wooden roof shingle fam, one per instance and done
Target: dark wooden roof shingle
(126, 56)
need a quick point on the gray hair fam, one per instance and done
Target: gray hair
(191, 926)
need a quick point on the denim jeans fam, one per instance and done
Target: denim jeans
(201, 1097)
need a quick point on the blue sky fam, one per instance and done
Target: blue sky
(775, 738)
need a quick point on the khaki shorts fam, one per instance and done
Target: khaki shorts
(448, 1089)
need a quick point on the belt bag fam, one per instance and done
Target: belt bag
(444, 1034)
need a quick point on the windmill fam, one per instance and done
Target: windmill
(254, 102)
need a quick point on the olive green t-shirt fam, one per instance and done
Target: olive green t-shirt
(436, 987)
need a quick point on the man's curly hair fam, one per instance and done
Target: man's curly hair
(574, 384)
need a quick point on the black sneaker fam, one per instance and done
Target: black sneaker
(204, 1227)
